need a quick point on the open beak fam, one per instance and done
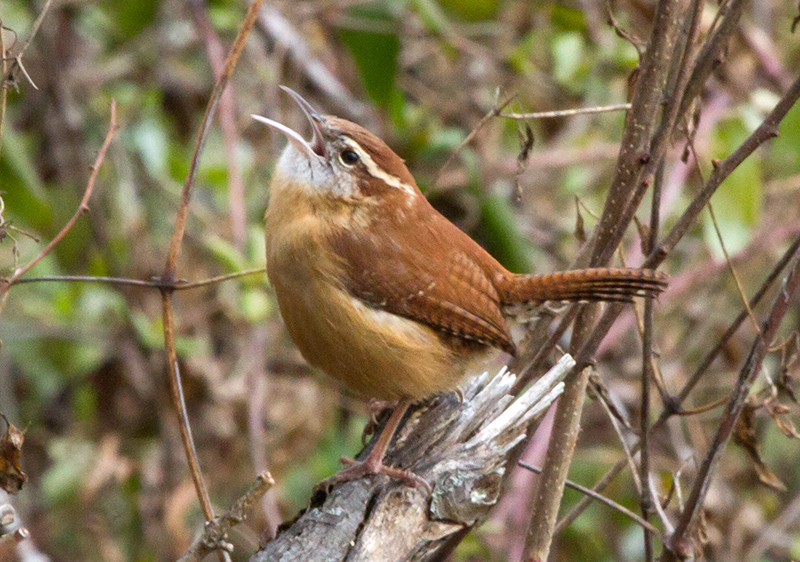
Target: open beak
(313, 148)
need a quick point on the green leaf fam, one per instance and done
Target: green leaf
(225, 253)
(567, 19)
(568, 53)
(22, 190)
(133, 17)
(471, 10)
(375, 55)
(784, 151)
(255, 305)
(503, 239)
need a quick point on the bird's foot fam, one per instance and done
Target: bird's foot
(359, 469)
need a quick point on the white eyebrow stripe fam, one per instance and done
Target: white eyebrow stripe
(375, 171)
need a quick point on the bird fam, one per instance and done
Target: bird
(380, 291)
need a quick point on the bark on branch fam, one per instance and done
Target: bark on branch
(461, 447)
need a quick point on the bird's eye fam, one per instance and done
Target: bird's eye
(349, 157)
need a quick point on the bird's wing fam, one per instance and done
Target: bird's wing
(432, 280)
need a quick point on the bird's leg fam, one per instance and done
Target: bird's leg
(373, 464)
(375, 407)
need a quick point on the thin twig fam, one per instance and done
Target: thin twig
(712, 52)
(628, 36)
(675, 407)
(602, 499)
(702, 409)
(607, 408)
(195, 284)
(728, 260)
(567, 112)
(17, 59)
(767, 130)
(658, 145)
(219, 87)
(178, 285)
(34, 28)
(82, 207)
(494, 112)
(176, 392)
(679, 541)
(648, 372)
(731, 267)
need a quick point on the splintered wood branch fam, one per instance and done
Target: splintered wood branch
(215, 534)
(461, 447)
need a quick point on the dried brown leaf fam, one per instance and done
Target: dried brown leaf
(11, 476)
(526, 139)
(745, 436)
(779, 413)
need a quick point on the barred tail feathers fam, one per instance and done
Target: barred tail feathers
(596, 284)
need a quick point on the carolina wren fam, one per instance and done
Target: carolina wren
(379, 290)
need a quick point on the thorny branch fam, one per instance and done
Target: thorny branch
(83, 207)
(177, 285)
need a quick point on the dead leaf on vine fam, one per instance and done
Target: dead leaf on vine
(11, 476)
(745, 436)
(526, 139)
(779, 413)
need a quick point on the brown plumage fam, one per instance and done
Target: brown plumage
(379, 290)
(380, 247)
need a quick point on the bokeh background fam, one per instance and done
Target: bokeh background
(82, 366)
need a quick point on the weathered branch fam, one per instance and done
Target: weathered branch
(461, 448)
(641, 121)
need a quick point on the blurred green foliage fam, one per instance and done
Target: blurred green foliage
(82, 363)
